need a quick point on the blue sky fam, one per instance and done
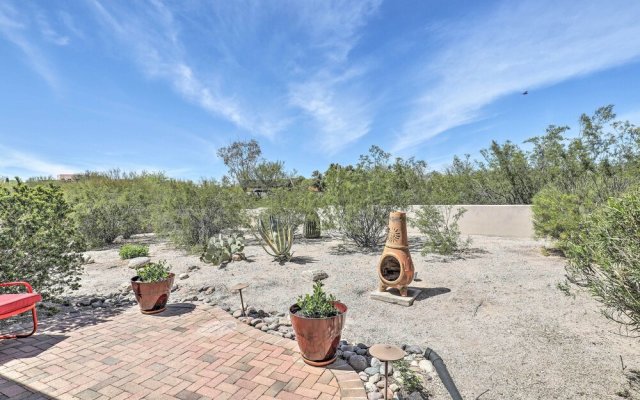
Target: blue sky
(156, 85)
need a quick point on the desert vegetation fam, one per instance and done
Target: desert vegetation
(583, 188)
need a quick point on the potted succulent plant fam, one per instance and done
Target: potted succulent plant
(317, 320)
(152, 287)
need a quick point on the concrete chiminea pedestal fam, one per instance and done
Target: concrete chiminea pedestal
(395, 268)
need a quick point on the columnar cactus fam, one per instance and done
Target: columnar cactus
(312, 226)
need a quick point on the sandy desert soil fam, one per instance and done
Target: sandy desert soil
(496, 317)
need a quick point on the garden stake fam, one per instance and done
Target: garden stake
(386, 353)
(239, 288)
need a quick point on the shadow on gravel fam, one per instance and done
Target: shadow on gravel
(176, 309)
(343, 250)
(432, 292)
(302, 260)
(86, 316)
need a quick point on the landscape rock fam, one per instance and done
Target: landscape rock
(412, 349)
(193, 268)
(375, 362)
(183, 276)
(237, 313)
(118, 240)
(138, 262)
(315, 275)
(374, 396)
(426, 366)
(370, 387)
(125, 288)
(374, 378)
(348, 354)
(363, 376)
(372, 370)
(358, 362)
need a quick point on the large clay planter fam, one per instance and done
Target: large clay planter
(152, 297)
(318, 338)
(395, 268)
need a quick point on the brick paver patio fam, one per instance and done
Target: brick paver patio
(184, 353)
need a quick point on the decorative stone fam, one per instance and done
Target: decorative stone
(363, 376)
(374, 378)
(237, 313)
(348, 354)
(315, 275)
(426, 366)
(193, 268)
(374, 396)
(138, 262)
(370, 387)
(260, 325)
(372, 370)
(118, 240)
(183, 276)
(412, 349)
(375, 362)
(360, 351)
(357, 362)
(394, 387)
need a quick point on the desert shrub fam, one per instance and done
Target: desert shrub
(440, 228)
(38, 239)
(556, 214)
(318, 304)
(605, 253)
(191, 213)
(359, 199)
(154, 272)
(130, 250)
(112, 204)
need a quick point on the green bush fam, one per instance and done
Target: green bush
(605, 253)
(112, 204)
(556, 214)
(133, 250)
(440, 227)
(38, 239)
(192, 213)
(154, 272)
(318, 304)
(359, 199)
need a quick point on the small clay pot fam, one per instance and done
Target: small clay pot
(152, 297)
(318, 338)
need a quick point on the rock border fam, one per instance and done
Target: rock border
(356, 355)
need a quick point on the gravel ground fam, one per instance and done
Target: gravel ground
(496, 317)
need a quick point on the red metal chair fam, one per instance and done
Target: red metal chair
(18, 303)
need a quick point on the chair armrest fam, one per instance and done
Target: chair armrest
(25, 284)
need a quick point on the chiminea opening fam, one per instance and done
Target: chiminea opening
(390, 268)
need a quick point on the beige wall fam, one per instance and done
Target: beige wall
(509, 221)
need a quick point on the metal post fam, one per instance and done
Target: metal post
(386, 380)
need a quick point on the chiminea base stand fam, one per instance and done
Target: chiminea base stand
(393, 296)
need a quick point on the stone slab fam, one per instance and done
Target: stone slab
(392, 296)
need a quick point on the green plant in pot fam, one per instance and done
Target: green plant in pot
(152, 287)
(317, 320)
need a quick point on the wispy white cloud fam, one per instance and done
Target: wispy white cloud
(49, 34)
(153, 35)
(14, 27)
(519, 46)
(331, 96)
(15, 160)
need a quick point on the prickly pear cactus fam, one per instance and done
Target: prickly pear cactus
(221, 250)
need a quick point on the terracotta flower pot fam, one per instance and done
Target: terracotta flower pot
(318, 338)
(152, 297)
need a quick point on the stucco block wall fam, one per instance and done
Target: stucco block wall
(490, 220)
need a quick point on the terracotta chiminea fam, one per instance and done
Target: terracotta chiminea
(395, 268)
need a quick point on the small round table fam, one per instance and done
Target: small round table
(238, 288)
(386, 353)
